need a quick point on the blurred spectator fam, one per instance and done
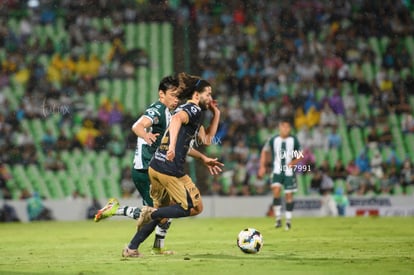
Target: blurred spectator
(368, 184)
(325, 166)
(320, 138)
(239, 186)
(48, 141)
(116, 147)
(36, 210)
(63, 142)
(341, 200)
(87, 134)
(407, 123)
(339, 171)
(116, 113)
(23, 138)
(4, 177)
(391, 176)
(349, 102)
(305, 137)
(300, 118)
(386, 137)
(336, 103)
(372, 138)
(8, 214)
(53, 161)
(240, 150)
(24, 194)
(252, 167)
(334, 139)
(376, 165)
(328, 117)
(353, 119)
(406, 175)
(104, 111)
(363, 163)
(312, 117)
(92, 209)
(354, 183)
(127, 185)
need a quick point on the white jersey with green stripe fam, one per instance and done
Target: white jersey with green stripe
(283, 151)
(160, 117)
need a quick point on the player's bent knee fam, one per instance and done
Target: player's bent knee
(196, 210)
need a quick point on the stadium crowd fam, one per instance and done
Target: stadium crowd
(309, 61)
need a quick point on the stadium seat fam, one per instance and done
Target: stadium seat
(333, 156)
(118, 91)
(167, 50)
(13, 188)
(368, 70)
(141, 36)
(302, 187)
(411, 99)
(143, 91)
(130, 41)
(383, 43)
(129, 97)
(374, 43)
(11, 97)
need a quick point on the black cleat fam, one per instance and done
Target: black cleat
(278, 224)
(288, 226)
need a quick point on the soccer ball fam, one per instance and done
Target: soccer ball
(250, 240)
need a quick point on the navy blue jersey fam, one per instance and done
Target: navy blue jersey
(186, 135)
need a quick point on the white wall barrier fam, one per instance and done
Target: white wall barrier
(216, 206)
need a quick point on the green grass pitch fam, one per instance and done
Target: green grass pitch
(361, 245)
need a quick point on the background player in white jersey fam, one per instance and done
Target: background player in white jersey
(282, 151)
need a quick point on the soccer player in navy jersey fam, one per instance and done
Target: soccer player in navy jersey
(173, 192)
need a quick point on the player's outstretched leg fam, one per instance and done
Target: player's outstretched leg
(108, 210)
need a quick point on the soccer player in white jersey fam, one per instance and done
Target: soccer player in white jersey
(282, 151)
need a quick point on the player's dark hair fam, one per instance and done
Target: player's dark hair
(189, 84)
(168, 82)
(285, 120)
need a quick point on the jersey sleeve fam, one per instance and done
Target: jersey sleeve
(266, 146)
(153, 114)
(192, 111)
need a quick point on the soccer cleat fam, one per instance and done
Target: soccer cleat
(131, 253)
(161, 251)
(288, 226)
(144, 216)
(108, 210)
(278, 224)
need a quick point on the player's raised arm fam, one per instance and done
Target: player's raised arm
(140, 129)
(207, 135)
(176, 121)
(265, 158)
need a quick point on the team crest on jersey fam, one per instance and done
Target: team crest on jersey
(193, 109)
(153, 111)
(155, 120)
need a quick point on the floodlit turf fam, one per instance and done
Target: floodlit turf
(208, 246)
